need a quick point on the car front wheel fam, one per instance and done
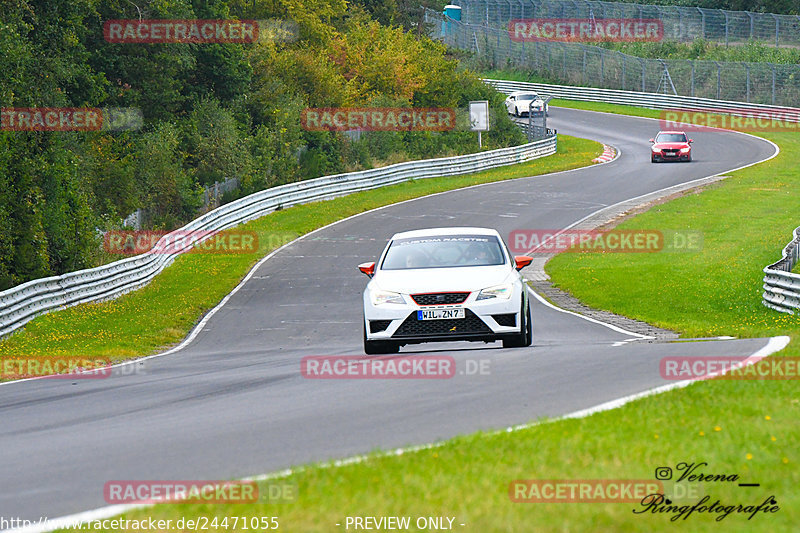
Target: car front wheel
(525, 336)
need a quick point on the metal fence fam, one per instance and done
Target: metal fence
(22, 303)
(580, 64)
(681, 23)
(651, 100)
(781, 286)
(212, 195)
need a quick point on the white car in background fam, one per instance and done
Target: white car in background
(517, 103)
(445, 284)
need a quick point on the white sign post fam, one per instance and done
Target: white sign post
(479, 118)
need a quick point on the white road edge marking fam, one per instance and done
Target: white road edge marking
(590, 319)
(774, 344)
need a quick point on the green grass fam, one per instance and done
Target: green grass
(747, 428)
(163, 312)
(745, 222)
(748, 51)
(468, 477)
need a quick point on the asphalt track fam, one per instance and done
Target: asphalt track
(233, 402)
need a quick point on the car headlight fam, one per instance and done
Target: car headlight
(379, 297)
(498, 291)
(653, 148)
(685, 150)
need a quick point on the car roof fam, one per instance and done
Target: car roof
(428, 232)
(516, 93)
(671, 131)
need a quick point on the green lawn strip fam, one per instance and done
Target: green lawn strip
(747, 430)
(163, 312)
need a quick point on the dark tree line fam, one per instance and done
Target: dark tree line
(211, 111)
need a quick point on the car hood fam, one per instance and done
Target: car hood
(671, 146)
(473, 278)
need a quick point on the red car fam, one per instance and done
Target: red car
(671, 146)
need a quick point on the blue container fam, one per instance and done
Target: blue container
(453, 12)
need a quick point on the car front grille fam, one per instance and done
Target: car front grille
(506, 319)
(469, 325)
(440, 298)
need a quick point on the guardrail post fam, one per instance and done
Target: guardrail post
(702, 22)
(602, 66)
(644, 74)
(772, 66)
(777, 27)
(725, 13)
(747, 70)
(583, 70)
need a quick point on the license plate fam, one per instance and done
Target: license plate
(440, 314)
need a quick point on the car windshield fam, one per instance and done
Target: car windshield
(527, 97)
(671, 138)
(440, 251)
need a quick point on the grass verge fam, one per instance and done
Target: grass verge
(743, 428)
(163, 312)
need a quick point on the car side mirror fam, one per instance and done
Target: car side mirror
(367, 268)
(652, 140)
(690, 141)
(522, 261)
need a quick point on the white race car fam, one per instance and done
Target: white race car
(518, 103)
(445, 284)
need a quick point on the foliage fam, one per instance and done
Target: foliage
(211, 111)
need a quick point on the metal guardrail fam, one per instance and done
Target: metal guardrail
(681, 23)
(24, 302)
(781, 286)
(640, 99)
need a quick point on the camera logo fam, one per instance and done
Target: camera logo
(663, 473)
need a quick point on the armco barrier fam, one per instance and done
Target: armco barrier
(24, 302)
(781, 286)
(640, 99)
